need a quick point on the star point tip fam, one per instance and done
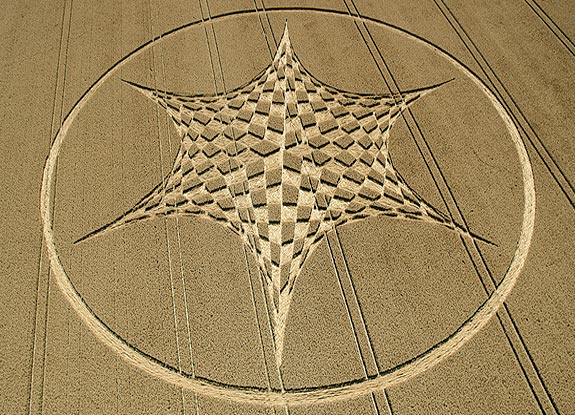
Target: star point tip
(431, 88)
(285, 36)
(285, 43)
(94, 233)
(408, 98)
(149, 92)
(464, 230)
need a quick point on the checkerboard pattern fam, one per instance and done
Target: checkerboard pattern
(281, 160)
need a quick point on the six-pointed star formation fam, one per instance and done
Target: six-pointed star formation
(281, 161)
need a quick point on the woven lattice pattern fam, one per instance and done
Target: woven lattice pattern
(282, 160)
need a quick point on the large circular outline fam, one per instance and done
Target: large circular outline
(260, 396)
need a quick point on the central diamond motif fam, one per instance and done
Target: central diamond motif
(281, 161)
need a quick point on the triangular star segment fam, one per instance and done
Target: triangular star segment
(281, 161)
